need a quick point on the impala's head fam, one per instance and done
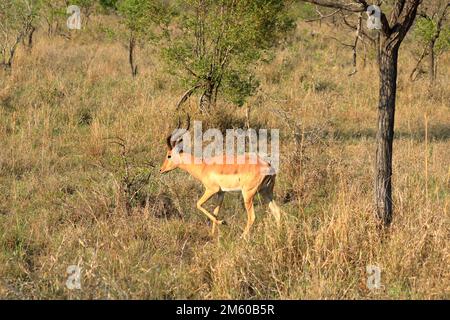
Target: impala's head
(174, 149)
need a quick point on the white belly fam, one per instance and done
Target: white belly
(231, 189)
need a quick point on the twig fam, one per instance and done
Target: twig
(321, 16)
(355, 44)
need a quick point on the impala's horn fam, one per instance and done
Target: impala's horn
(179, 138)
(169, 142)
(188, 122)
(172, 140)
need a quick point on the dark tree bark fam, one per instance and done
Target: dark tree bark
(431, 62)
(208, 98)
(30, 37)
(8, 52)
(391, 36)
(385, 133)
(7, 62)
(131, 49)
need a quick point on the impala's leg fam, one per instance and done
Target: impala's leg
(267, 193)
(275, 211)
(248, 201)
(273, 207)
(206, 196)
(220, 196)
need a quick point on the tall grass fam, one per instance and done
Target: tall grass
(63, 199)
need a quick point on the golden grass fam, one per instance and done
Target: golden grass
(62, 200)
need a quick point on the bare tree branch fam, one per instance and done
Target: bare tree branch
(401, 21)
(321, 16)
(412, 75)
(353, 6)
(429, 49)
(361, 30)
(355, 44)
(186, 95)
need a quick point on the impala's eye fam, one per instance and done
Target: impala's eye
(168, 157)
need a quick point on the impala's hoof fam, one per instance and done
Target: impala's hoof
(222, 222)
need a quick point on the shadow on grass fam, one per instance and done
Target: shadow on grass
(438, 132)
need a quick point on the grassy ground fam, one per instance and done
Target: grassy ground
(63, 182)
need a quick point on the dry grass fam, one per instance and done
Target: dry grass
(62, 197)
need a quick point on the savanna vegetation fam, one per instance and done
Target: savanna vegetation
(84, 115)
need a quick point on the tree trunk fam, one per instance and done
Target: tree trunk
(206, 99)
(431, 63)
(8, 61)
(30, 37)
(378, 46)
(385, 133)
(131, 48)
(392, 33)
(6, 66)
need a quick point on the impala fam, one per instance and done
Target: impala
(219, 176)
